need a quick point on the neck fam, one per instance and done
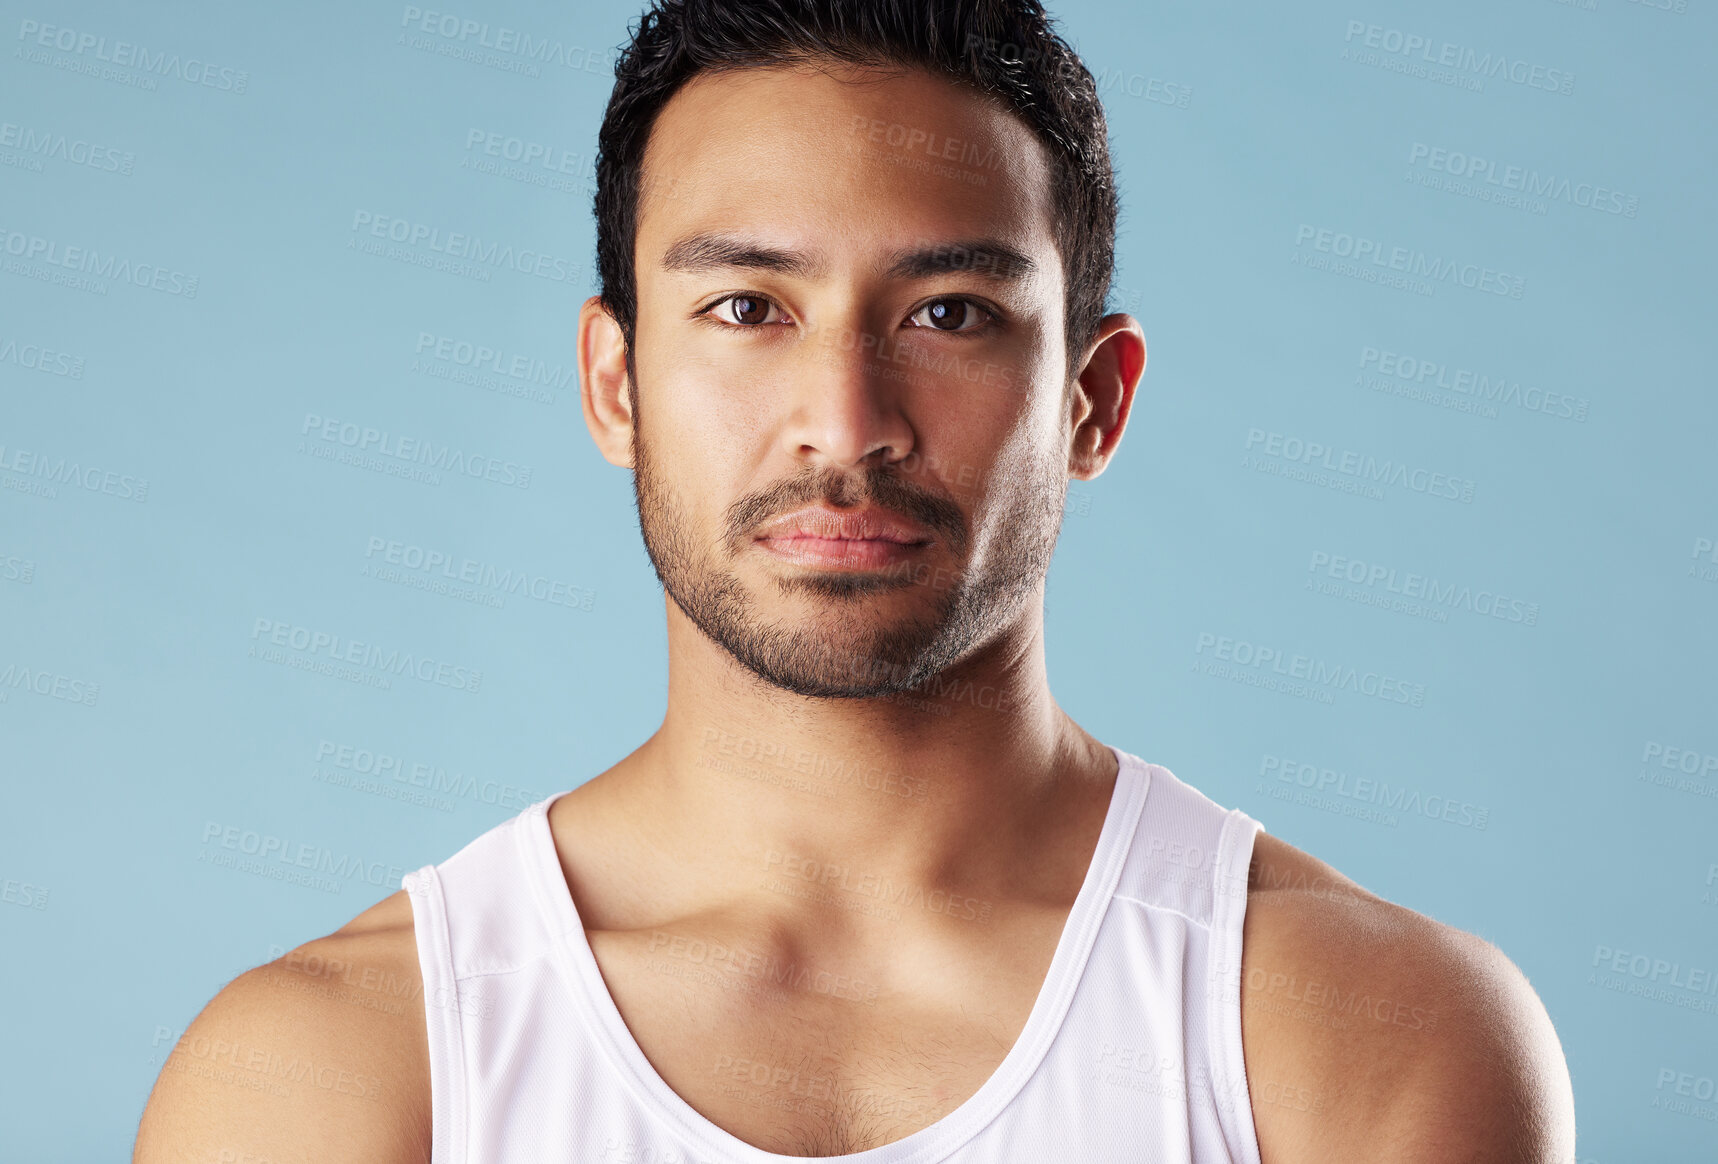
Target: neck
(950, 782)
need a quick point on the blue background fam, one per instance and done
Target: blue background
(147, 721)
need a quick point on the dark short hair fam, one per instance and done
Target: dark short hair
(1005, 49)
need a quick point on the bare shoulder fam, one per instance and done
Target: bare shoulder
(320, 1055)
(1372, 1032)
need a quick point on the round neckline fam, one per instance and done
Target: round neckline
(577, 964)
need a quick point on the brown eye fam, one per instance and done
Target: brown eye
(950, 315)
(744, 309)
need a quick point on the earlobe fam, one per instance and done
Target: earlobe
(603, 383)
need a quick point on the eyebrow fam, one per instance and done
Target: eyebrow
(985, 257)
(711, 252)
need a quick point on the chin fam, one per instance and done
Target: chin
(851, 654)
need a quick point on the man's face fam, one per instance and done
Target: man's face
(851, 438)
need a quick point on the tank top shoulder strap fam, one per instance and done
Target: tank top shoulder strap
(475, 914)
(1189, 854)
(1190, 857)
(489, 897)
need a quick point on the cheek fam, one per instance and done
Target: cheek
(700, 416)
(1022, 431)
(1028, 463)
(703, 449)
(697, 390)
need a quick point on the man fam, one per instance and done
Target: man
(868, 891)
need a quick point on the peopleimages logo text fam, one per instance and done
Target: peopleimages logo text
(127, 55)
(1313, 670)
(54, 470)
(414, 450)
(466, 247)
(1361, 465)
(33, 248)
(44, 143)
(1460, 58)
(1397, 797)
(1586, 195)
(540, 50)
(483, 358)
(330, 649)
(1418, 264)
(420, 774)
(483, 575)
(1423, 586)
(1659, 971)
(1688, 761)
(1466, 382)
(267, 846)
(38, 358)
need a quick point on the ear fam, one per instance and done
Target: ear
(602, 383)
(1103, 394)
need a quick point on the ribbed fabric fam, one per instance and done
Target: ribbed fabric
(1132, 1050)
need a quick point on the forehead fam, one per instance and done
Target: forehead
(816, 156)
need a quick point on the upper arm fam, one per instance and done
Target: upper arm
(1497, 1089)
(1373, 1033)
(319, 1056)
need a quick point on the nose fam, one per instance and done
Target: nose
(846, 405)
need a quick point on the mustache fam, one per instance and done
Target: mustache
(880, 485)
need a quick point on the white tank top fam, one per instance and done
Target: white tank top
(1132, 1050)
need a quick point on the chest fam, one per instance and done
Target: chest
(805, 1059)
